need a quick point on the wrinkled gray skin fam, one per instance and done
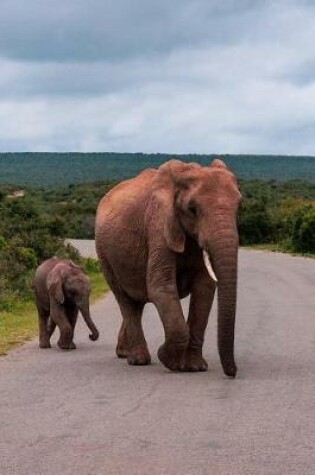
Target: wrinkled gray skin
(61, 290)
(152, 233)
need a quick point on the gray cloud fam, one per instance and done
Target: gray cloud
(106, 30)
(181, 76)
(303, 75)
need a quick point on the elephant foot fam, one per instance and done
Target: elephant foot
(44, 344)
(139, 356)
(172, 355)
(122, 351)
(66, 345)
(65, 341)
(194, 360)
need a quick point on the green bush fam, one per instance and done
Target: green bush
(278, 213)
(28, 236)
(3, 244)
(303, 235)
(255, 222)
(16, 264)
(91, 265)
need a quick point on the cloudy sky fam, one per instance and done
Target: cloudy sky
(177, 76)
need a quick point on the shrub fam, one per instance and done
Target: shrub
(91, 265)
(303, 235)
(27, 237)
(255, 222)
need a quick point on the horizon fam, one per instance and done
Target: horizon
(206, 154)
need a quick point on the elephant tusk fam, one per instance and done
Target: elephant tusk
(208, 265)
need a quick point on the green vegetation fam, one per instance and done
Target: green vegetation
(72, 208)
(98, 284)
(280, 215)
(17, 324)
(276, 215)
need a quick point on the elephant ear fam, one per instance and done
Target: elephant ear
(54, 285)
(173, 232)
(181, 174)
(174, 177)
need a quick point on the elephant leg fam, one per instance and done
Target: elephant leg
(122, 349)
(51, 326)
(131, 333)
(44, 335)
(66, 333)
(72, 317)
(131, 341)
(201, 301)
(172, 352)
(163, 293)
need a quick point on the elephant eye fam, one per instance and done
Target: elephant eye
(192, 210)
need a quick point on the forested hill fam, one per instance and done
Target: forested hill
(50, 169)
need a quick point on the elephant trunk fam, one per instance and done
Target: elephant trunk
(223, 252)
(85, 311)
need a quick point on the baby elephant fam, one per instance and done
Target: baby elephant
(61, 289)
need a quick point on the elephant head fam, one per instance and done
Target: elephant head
(67, 283)
(203, 203)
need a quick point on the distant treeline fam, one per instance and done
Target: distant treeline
(52, 169)
(34, 222)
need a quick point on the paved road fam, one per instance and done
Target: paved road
(86, 247)
(86, 412)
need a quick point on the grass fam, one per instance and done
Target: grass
(99, 285)
(18, 322)
(17, 325)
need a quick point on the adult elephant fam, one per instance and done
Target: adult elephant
(156, 237)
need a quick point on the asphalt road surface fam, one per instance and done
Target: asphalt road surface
(87, 412)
